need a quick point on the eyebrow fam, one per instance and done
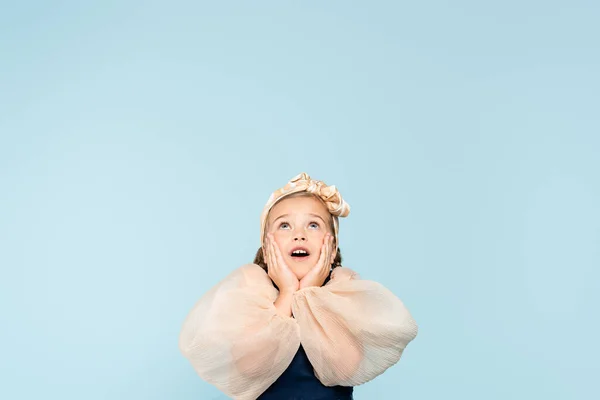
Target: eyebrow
(318, 216)
(287, 215)
(281, 216)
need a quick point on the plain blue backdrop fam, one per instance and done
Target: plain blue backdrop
(139, 141)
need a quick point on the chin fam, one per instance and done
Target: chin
(300, 275)
(299, 271)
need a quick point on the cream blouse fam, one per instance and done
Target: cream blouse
(351, 329)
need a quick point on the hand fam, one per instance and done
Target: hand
(317, 275)
(279, 272)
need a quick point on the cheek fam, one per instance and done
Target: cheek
(317, 236)
(280, 237)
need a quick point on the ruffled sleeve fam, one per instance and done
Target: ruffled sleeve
(352, 330)
(234, 337)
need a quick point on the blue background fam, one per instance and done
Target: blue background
(139, 141)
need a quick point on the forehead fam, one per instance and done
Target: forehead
(299, 205)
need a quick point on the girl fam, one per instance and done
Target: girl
(295, 324)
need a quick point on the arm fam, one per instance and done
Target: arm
(283, 304)
(250, 359)
(235, 338)
(352, 329)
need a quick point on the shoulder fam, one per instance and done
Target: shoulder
(249, 275)
(344, 274)
(248, 278)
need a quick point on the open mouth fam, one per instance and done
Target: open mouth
(299, 252)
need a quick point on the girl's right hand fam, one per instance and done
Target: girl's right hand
(279, 272)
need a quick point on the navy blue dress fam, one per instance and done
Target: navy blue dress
(298, 382)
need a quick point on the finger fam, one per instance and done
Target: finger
(278, 254)
(322, 257)
(329, 239)
(327, 250)
(267, 255)
(267, 250)
(272, 255)
(272, 259)
(277, 258)
(275, 263)
(332, 250)
(329, 253)
(274, 249)
(326, 265)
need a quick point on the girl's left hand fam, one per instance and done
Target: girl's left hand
(317, 275)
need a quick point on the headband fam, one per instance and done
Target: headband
(330, 196)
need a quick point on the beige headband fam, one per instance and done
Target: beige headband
(303, 183)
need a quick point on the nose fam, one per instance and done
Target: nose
(299, 236)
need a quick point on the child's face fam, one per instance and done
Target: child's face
(299, 222)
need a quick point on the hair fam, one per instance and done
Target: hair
(259, 258)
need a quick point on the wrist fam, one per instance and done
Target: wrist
(287, 292)
(305, 285)
(310, 283)
(283, 303)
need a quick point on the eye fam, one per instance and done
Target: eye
(314, 225)
(284, 225)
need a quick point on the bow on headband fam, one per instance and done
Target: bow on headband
(303, 183)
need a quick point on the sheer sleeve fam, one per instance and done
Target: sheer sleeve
(352, 330)
(234, 337)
